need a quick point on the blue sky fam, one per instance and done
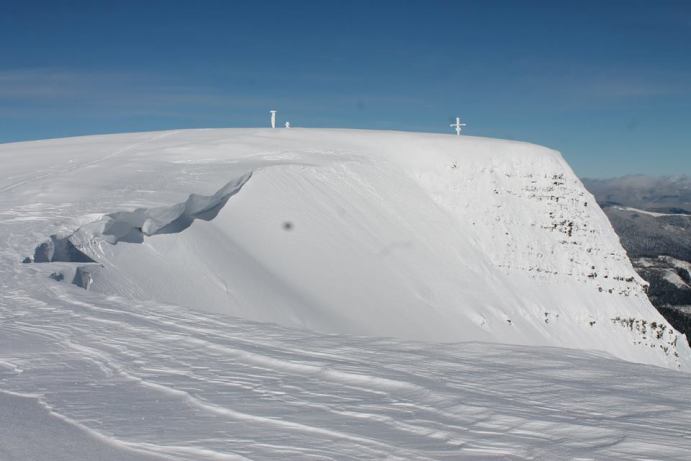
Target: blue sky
(608, 83)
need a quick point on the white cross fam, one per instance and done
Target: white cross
(457, 125)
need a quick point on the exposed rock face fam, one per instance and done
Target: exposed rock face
(537, 218)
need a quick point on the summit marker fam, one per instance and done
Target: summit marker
(458, 126)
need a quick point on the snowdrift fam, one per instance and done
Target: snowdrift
(84, 377)
(417, 236)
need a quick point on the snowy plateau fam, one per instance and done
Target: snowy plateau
(322, 294)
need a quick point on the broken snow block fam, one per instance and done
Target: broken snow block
(84, 276)
(59, 249)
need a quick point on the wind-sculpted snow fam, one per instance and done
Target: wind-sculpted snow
(59, 249)
(410, 235)
(480, 249)
(132, 226)
(84, 276)
(150, 379)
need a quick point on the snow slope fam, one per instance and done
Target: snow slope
(321, 294)
(83, 377)
(417, 236)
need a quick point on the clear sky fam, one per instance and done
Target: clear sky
(608, 83)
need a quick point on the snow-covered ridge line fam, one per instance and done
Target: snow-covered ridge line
(133, 226)
(410, 235)
(649, 213)
(130, 227)
(183, 347)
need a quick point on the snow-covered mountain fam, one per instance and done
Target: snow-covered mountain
(258, 294)
(655, 193)
(415, 236)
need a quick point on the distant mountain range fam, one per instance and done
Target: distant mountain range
(670, 194)
(652, 216)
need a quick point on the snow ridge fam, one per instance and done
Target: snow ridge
(410, 235)
(456, 297)
(133, 226)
